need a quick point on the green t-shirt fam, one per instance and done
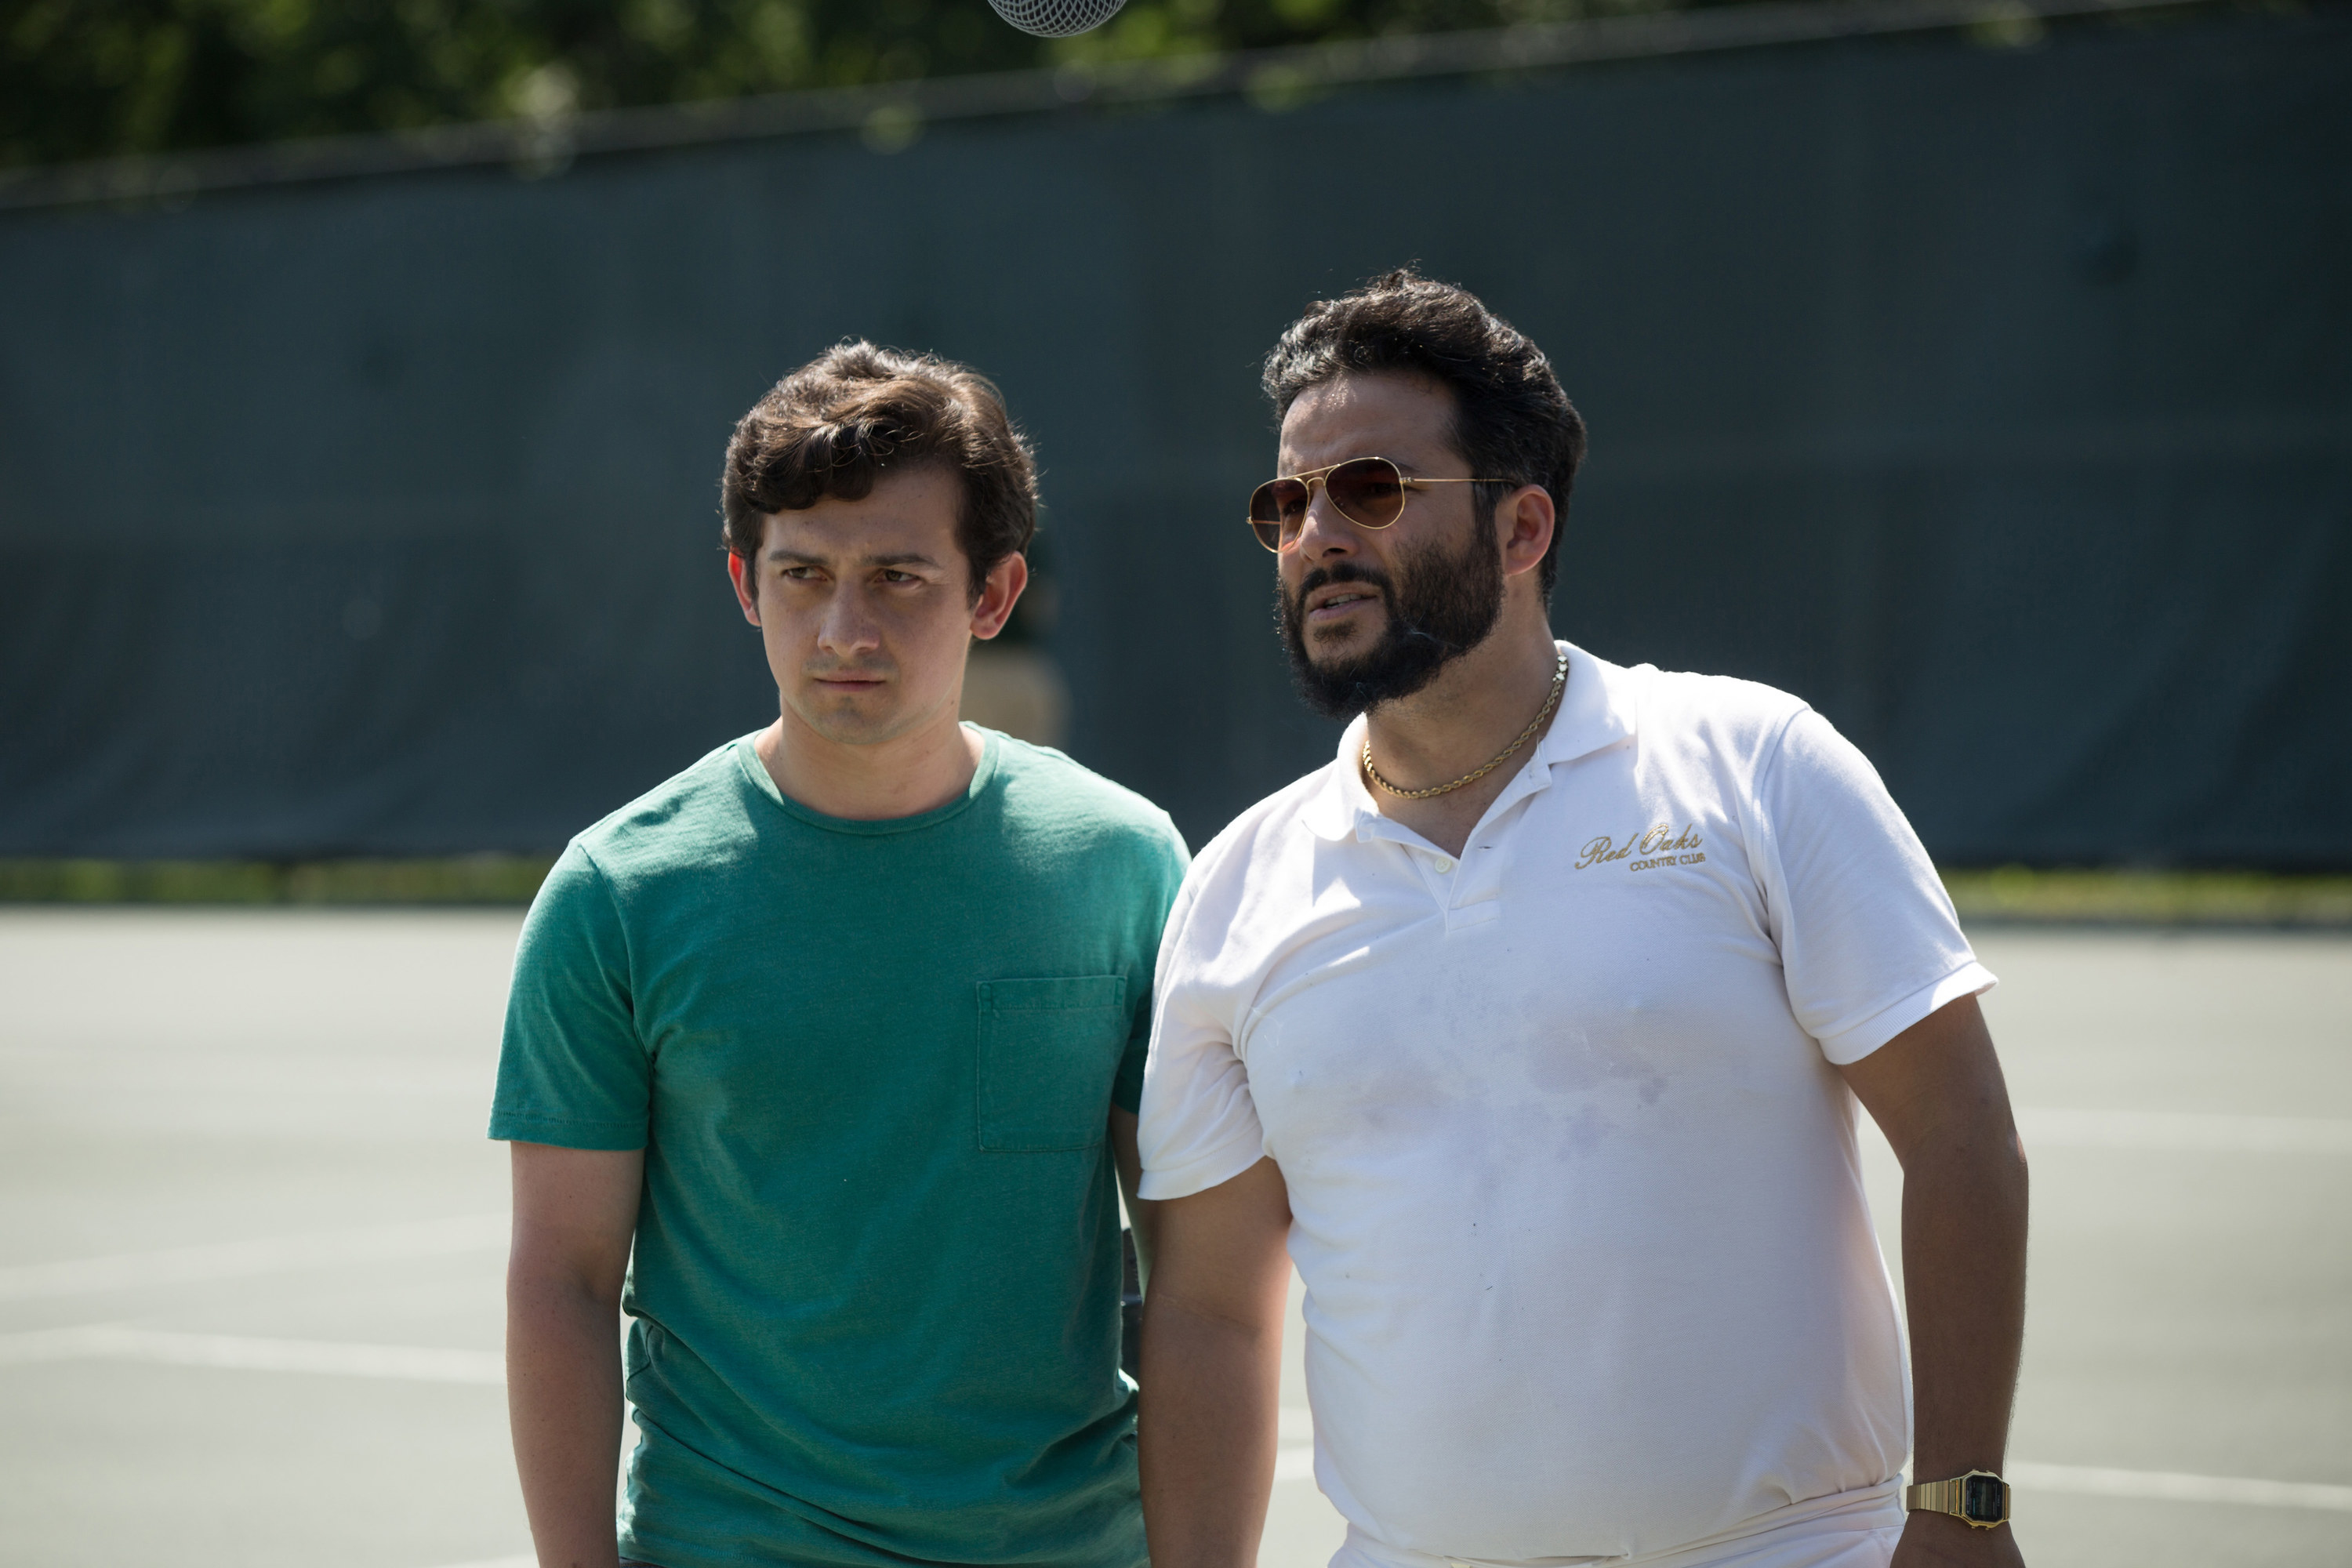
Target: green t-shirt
(875, 1295)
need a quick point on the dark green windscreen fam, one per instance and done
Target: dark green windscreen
(1997, 401)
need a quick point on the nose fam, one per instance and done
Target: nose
(847, 628)
(1323, 533)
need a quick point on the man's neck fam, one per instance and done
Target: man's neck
(903, 776)
(1475, 707)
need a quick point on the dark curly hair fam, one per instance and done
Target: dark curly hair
(858, 412)
(1511, 420)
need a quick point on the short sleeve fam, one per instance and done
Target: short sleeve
(1869, 942)
(572, 1070)
(1198, 1126)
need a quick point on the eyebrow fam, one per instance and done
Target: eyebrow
(801, 558)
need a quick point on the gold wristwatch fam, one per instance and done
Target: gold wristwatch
(1978, 1500)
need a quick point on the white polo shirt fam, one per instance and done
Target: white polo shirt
(1574, 1187)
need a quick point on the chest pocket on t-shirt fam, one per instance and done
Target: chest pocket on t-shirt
(1049, 1051)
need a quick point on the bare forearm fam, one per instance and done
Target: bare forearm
(563, 1399)
(1964, 1207)
(1210, 1395)
(1936, 1089)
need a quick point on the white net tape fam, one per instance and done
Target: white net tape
(1056, 18)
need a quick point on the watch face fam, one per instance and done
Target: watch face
(1981, 1499)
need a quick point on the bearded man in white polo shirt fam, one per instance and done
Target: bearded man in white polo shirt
(1534, 1026)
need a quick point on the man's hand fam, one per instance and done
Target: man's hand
(1211, 1370)
(575, 1215)
(1936, 1089)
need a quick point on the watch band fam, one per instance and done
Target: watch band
(1953, 1497)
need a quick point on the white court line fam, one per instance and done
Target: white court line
(109, 1341)
(524, 1562)
(2183, 1132)
(2165, 1486)
(1294, 1460)
(263, 1255)
(1295, 1430)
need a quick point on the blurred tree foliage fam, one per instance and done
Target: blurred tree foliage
(90, 78)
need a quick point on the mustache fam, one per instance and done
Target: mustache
(858, 671)
(1345, 571)
(1407, 629)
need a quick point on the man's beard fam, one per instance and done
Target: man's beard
(1446, 606)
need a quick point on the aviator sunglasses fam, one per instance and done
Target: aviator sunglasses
(1368, 492)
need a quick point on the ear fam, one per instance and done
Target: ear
(743, 573)
(1524, 522)
(998, 595)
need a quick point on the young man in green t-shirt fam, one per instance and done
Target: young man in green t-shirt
(842, 1029)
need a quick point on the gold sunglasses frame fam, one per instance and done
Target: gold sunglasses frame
(1314, 477)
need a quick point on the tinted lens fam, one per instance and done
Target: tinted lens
(1368, 491)
(1277, 508)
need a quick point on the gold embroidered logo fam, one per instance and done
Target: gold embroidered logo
(1661, 845)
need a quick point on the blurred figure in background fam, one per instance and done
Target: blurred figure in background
(842, 1031)
(1533, 1025)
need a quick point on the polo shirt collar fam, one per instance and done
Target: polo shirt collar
(1598, 709)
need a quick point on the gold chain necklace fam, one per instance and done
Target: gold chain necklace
(1558, 682)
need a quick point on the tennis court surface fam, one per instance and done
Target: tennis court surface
(249, 1289)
